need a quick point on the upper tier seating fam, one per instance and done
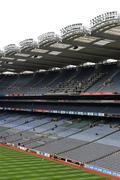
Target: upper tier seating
(65, 81)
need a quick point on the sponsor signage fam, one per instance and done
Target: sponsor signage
(102, 170)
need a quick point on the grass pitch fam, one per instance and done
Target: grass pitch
(16, 165)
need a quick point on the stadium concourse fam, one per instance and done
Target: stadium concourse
(61, 95)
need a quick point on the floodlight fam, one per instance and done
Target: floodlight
(10, 49)
(72, 30)
(27, 44)
(47, 38)
(104, 20)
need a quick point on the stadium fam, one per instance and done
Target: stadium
(60, 104)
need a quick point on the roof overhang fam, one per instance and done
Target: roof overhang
(75, 46)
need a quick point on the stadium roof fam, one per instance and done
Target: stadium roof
(76, 45)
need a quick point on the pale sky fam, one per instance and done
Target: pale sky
(22, 19)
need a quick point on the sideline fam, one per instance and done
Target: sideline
(61, 162)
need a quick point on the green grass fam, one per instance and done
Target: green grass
(16, 165)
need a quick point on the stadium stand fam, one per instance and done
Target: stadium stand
(110, 161)
(61, 95)
(65, 82)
